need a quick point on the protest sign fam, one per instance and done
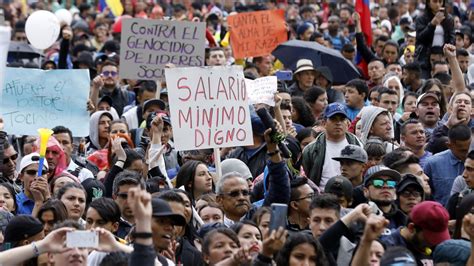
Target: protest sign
(262, 90)
(208, 107)
(5, 33)
(34, 98)
(148, 45)
(256, 33)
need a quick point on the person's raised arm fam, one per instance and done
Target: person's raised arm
(374, 227)
(468, 226)
(119, 152)
(52, 243)
(456, 73)
(362, 47)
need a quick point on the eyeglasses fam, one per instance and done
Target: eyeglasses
(309, 196)
(33, 172)
(378, 183)
(12, 158)
(123, 195)
(408, 193)
(236, 193)
(109, 73)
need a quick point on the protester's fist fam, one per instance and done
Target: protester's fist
(98, 82)
(157, 125)
(468, 225)
(356, 17)
(90, 106)
(277, 100)
(374, 227)
(449, 50)
(67, 33)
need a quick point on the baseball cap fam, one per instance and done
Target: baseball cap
(353, 152)
(30, 159)
(340, 186)
(409, 180)
(334, 109)
(426, 95)
(161, 208)
(151, 102)
(455, 251)
(433, 219)
(106, 99)
(379, 171)
(22, 227)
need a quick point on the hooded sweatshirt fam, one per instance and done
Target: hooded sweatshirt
(94, 129)
(369, 114)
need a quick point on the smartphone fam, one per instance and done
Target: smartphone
(279, 216)
(82, 239)
(284, 75)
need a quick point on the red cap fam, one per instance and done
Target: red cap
(433, 219)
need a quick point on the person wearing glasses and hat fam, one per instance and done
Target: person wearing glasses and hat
(107, 83)
(380, 184)
(304, 77)
(35, 189)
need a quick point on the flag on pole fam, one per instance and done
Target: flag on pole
(363, 8)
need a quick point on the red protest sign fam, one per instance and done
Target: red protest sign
(256, 33)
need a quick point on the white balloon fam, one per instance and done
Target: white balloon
(64, 16)
(42, 29)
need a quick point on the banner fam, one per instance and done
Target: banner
(208, 107)
(5, 33)
(34, 98)
(256, 33)
(147, 46)
(262, 90)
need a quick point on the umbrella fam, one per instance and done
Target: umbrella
(291, 51)
(20, 50)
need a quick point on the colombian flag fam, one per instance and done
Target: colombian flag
(115, 6)
(363, 8)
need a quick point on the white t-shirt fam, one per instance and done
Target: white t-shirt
(438, 38)
(331, 167)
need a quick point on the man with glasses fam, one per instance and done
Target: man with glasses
(379, 189)
(122, 183)
(298, 209)
(8, 166)
(233, 193)
(35, 189)
(107, 83)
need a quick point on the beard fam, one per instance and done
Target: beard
(383, 203)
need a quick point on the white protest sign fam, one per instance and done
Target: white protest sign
(5, 33)
(262, 90)
(148, 45)
(209, 107)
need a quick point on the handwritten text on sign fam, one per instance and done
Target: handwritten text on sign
(34, 98)
(262, 90)
(209, 107)
(256, 33)
(148, 45)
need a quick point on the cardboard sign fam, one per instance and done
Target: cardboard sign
(262, 90)
(208, 107)
(256, 33)
(5, 35)
(147, 46)
(34, 98)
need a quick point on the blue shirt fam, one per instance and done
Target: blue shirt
(443, 168)
(25, 204)
(425, 158)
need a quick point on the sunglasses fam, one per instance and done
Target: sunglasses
(12, 158)
(379, 183)
(309, 196)
(109, 73)
(236, 193)
(34, 172)
(408, 193)
(123, 195)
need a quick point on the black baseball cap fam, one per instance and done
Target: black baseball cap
(161, 208)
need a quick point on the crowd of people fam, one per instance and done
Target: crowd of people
(380, 169)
